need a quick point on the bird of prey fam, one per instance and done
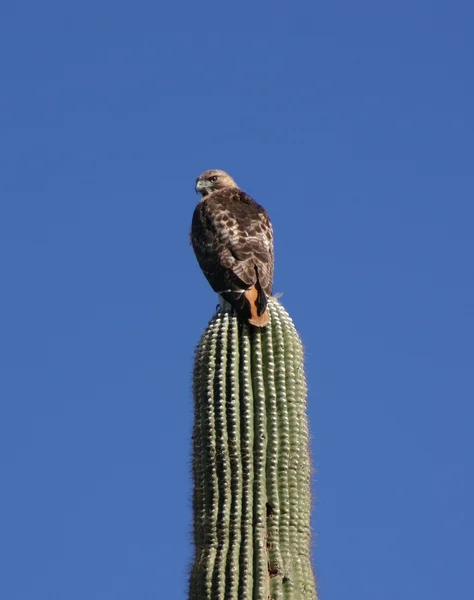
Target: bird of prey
(232, 238)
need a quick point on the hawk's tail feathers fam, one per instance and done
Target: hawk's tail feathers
(257, 303)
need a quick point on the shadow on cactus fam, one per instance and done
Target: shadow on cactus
(251, 464)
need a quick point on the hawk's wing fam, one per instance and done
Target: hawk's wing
(233, 240)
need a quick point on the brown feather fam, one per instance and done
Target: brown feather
(256, 319)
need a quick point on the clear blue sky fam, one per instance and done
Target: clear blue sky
(353, 124)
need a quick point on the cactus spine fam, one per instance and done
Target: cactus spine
(251, 464)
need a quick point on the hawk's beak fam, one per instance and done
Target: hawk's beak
(199, 186)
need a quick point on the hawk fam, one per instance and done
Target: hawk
(232, 238)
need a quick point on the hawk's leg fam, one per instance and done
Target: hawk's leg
(223, 304)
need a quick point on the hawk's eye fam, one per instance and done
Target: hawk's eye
(213, 178)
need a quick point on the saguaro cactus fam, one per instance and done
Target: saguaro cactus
(251, 463)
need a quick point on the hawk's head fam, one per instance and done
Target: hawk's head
(213, 180)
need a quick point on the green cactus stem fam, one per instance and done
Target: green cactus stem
(251, 463)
